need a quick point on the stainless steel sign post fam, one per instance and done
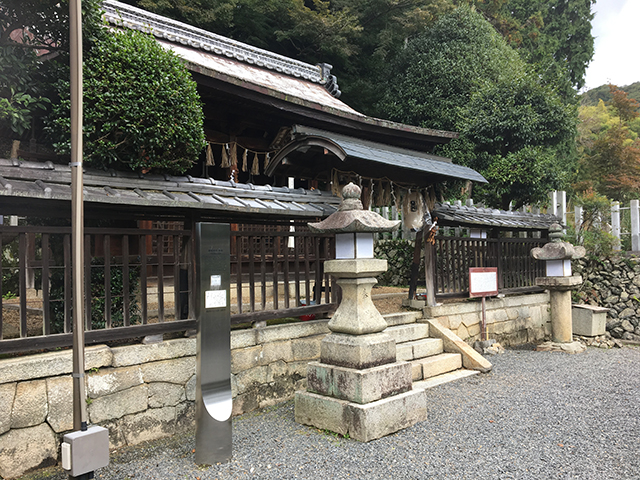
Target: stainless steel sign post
(213, 357)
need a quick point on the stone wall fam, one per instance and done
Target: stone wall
(613, 283)
(510, 320)
(399, 257)
(141, 392)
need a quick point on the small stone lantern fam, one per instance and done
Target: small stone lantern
(358, 387)
(559, 281)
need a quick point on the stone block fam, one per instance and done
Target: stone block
(190, 389)
(149, 425)
(112, 380)
(163, 394)
(474, 330)
(119, 404)
(426, 347)
(359, 386)
(7, 394)
(60, 399)
(178, 370)
(404, 352)
(469, 319)
(407, 333)
(512, 313)
(494, 316)
(30, 404)
(274, 351)
(589, 320)
(362, 422)
(276, 370)
(51, 364)
(325, 413)
(243, 338)
(358, 351)
(463, 332)
(402, 318)
(416, 371)
(116, 438)
(298, 369)
(243, 404)
(454, 344)
(456, 320)
(185, 417)
(246, 358)
(26, 449)
(234, 387)
(276, 333)
(251, 378)
(384, 417)
(307, 348)
(139, 354)
(439, 364)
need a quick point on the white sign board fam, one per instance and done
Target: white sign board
(483, 281)
(215, 299)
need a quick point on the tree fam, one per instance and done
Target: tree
(626, 108)
(434, 77)
(31, 33)
(461, 75)
(610, 147)
(553, 35)
(520, 136)
(141, 107)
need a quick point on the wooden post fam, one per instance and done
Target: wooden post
(415, 266)
(429, 272)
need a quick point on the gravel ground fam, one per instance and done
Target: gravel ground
(538, 415)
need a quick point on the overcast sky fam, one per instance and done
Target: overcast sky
(616, 28)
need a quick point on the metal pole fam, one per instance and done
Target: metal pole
(77, 216)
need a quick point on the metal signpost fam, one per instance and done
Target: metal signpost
(483, 282)
(213, 356)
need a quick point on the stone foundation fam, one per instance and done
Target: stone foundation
(510, 320)
(144, 392)
(141, 392)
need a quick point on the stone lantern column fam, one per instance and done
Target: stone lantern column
(358, 388)
(559, 281)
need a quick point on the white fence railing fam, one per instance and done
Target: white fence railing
(558, 206)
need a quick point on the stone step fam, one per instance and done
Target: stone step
(428, 367)
(408, 332)
(444, 378)
(416, 349)
(402, 318)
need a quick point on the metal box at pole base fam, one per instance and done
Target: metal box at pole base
(213, 357)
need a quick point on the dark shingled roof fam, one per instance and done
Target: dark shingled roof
(469, 216)
(37, 180)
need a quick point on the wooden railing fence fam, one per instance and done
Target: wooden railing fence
(517, 270)
(139, 282)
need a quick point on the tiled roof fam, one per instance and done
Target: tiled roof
(392, 156)
(470, 216)
(38, 180)
(124, 15)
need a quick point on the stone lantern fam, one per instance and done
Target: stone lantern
(357, 387)
(559, 281)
